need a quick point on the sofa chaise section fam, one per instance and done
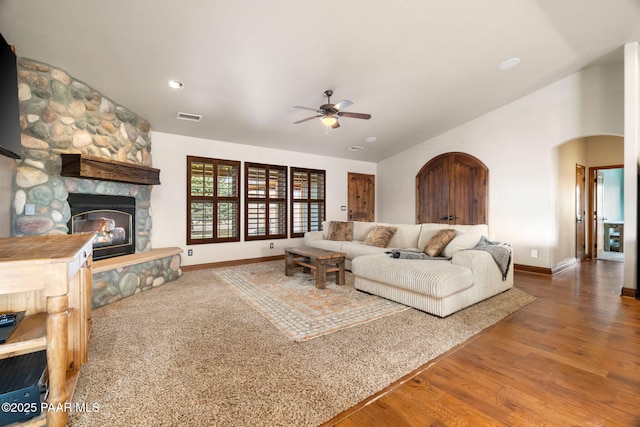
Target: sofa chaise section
(438, 287)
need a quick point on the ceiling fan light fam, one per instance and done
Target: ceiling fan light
(328, 120)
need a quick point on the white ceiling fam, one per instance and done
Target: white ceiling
(419, 67)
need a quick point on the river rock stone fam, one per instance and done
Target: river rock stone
(82, 138)
(31, 142)
(128, 284)
(35, 106)
(61, 76)
(19, 200)
(56, 216)
(60, 93)
(33, 65)
(77, 109)
(58, 108)
(49, 116)
(27, 177)
(33, 79)
(42, 194)
(33, 225)
(24, 92)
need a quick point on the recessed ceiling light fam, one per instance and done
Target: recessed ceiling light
(509, 64)
(371, 139)
(176, 84)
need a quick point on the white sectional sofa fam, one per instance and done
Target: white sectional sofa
(462, 277)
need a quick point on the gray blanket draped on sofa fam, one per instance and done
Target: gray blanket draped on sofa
(501, 253)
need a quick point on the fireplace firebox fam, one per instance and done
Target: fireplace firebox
(110, 218)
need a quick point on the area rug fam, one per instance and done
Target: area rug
(193, 353)
(297, 308)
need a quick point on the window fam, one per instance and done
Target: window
(307, 200)
(213, 201)
(265, 201)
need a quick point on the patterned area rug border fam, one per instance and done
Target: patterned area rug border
(299, 310)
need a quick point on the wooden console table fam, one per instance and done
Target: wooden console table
(49, 277)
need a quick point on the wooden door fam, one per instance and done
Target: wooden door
(452, 189)
(432, 188)
(596, 210)
(580, 213)
(468, 200)
(361, 197)
(599, 213)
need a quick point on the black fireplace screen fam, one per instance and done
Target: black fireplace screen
(110, 218)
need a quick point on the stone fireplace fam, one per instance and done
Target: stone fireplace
(62, 116)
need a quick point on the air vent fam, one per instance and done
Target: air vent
(190, 117)
(355, 148)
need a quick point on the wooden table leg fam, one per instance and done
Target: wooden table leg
(321, 274)
(288, 263)
(57, 339)
(340, 272)
(306, 269)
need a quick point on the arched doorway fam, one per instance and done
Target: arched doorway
(581, 230)
(452, 188)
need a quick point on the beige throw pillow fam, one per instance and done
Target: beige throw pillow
(341, 231)
(461, 241)
(380, 236)
(438, 242)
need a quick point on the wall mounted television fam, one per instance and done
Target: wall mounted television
(10, 144)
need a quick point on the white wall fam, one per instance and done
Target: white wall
(168, 200)
(605, 150)
(515, 142)
(631, 161)
(567, 156)
(6, 170)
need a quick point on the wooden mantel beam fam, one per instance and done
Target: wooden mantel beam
(80, 166)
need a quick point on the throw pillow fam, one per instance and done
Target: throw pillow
(461, 242)
(380, 236)
(439, 241)
(340, 230)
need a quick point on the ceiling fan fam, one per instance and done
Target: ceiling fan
(329, 113)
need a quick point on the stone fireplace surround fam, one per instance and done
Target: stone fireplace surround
(62, 115)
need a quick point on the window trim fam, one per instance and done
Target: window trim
(267, 199)
(215, 199)
(308, 201)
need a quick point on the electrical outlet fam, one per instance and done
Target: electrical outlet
(534, 253)
(29, 209)
(270, 245)
(190, 252)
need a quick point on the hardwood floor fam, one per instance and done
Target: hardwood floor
(572, 358)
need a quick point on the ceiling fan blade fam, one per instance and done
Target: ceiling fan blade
(354, 115)
(307, 119)
(342, 104)
(307, 108)
(336, 125)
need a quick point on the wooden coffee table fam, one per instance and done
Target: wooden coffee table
(319, 260)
